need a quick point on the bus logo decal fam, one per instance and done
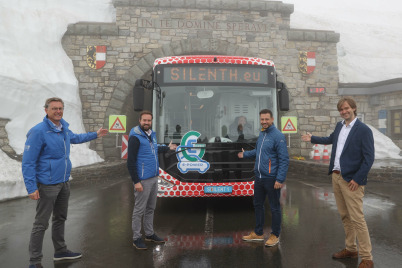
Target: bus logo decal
(189, 154)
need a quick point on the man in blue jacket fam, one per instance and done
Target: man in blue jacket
(351, 159)
(46, 170)
(271, 167)
(143, 166)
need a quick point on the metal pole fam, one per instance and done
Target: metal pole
(117, 141)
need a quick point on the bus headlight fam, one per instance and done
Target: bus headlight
(162, 182)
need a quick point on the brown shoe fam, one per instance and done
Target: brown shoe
(272, 241)
(366, 264)
(344, 254)
(253, 237)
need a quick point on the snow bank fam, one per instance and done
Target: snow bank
(35, 67)
(385, 148)
(369, 49)
(11, 182)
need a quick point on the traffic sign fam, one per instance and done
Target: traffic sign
(124, 147)
(289, 124)
(117, 123)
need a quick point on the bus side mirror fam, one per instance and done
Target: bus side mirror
(138, 96)
(283, 95)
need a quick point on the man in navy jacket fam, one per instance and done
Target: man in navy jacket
(351, 159)
(46, 168)
(143, 166)
(271, 166)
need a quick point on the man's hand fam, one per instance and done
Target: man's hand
(353, 186)
(102, 132)
(172, 146)
(34, 195)
(278, 185)
(138, 187)
(306, 137)
(240, 155)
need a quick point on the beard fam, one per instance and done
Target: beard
(265, 126)
(146, 127)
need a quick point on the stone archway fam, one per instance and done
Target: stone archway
(122, 95)
(146, 30)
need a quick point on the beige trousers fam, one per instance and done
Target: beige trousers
(350, 207)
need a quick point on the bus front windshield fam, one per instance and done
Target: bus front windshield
(218, 113)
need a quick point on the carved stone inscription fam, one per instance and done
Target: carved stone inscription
(203, 25)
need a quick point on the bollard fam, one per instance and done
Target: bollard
(325, 155)
(316, 153)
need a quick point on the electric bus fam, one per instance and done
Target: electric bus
(209, 106)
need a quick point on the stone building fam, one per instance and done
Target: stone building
(379, 104)
(148, 29)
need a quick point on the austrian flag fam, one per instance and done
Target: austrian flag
(306, 62)
(96, 56)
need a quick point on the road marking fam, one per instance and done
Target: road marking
(209, 226)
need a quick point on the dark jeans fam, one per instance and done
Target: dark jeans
(262, 188)
(53, 199)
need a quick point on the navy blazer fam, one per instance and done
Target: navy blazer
(357, 156)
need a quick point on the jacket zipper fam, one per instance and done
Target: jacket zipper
(65, 157)
(142, 173)
(156, 160)
(269, 169)
(259, 156)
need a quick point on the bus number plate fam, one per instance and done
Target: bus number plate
(217, 189)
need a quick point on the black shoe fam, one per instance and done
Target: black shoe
(68, 255)
(154, 238)
(139, 244)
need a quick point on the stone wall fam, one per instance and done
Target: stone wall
(370, 109)
(4, 142)
(146, 30)
(100, 171)
(390, 101)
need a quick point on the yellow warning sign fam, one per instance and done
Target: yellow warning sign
(117, 123)
(289, 124)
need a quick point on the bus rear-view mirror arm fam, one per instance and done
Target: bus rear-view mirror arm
(283, 96)
(139, 92)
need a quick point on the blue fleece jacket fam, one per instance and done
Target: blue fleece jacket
(46, 157)
(271, 154)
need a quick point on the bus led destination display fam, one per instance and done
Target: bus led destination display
(215, 74)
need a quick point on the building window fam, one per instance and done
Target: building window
(396, 124)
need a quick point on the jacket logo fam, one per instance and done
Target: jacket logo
(306, 62)
(96, 56)
(190, 154)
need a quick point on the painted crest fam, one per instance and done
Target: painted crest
(96, 56)
(306, 62)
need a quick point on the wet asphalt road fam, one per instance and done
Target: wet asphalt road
(207, 232)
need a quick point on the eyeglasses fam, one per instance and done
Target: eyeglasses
(56, 108)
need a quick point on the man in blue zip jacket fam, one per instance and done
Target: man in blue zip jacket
(271, 167)
(351, 160)
(143, 166)
(46, 170)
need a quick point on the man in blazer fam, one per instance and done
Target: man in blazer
(351, 159)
